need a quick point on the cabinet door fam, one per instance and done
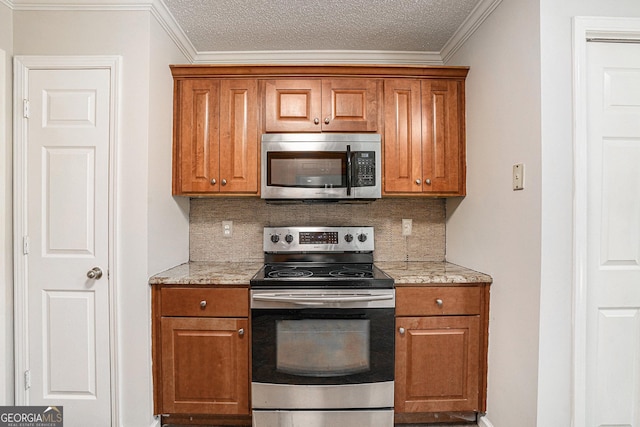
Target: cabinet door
(239, 136)
(402, 136)
(437, 364)
(443, 158)
(293, 105)
(350, 105)
(197, 141)
(205, 365)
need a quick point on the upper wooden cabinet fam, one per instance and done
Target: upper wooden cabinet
(315, 105)
(215, 137)
(424, 150)
(220, 111)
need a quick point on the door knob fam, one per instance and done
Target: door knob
(326, 120)
(94, 273)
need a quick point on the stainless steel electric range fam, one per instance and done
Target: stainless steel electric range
(322, 322)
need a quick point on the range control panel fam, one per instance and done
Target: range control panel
(318, 239)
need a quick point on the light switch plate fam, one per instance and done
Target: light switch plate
(518, 176)
(407, 225)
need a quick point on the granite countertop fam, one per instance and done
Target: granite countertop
(239, 273)
(208, 273)
(431, 272)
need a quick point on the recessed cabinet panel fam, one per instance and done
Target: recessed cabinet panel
(437, 364)
(293, 105)
(197, 133)
(321, 105)
(205, 365)
(442, 136)
(239, 136)
(402, 136)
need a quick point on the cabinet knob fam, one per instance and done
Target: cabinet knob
(223, 182)
(439, 302)
(326, 120)
(203, 304)
(213, 181)
(418, 182)
(241, 331)
(427, 181)
(401, 330)
(316, 121)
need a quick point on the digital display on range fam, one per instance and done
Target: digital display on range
(316, 237)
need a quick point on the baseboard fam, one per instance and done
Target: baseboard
(483, 421)
(156, 422)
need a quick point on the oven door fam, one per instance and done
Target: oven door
(319, 349)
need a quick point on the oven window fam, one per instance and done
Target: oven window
(322, 348)
(320, 169)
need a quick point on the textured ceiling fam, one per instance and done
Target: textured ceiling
(259, 25)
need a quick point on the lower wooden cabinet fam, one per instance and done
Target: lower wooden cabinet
(441, 347)
(201, 350)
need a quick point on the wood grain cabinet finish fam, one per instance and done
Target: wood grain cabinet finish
(215, 137)
(424, 149)
(315, 105)
(441, 347)
(201, 351)
(220, 111)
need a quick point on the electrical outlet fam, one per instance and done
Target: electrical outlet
(407, 224)
(518, 176)
(227, 228)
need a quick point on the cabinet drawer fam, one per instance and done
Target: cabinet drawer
(426, 301)
(205, 302)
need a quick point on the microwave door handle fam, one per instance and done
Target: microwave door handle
(349, 170)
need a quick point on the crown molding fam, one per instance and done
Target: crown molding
(166, 20)
(477, 16)
(319, 57)
(164, 17)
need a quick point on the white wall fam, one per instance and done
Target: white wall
(144, 202)
(494, 229)
(6, 242)
(168, 216)
(554, 389)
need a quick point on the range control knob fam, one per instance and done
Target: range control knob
(288, 238)
(348, 238)
(275, 238)
(362, 237)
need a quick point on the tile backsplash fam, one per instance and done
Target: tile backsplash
(250, 215)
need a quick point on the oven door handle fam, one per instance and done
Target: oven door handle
(320, 300)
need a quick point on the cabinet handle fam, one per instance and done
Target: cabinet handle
(401, 330)
(223, 182)
(439, 302)
(213, 181)
(418, 182)
(427, 181)
(326, 120)
(241, 331)
(316, 121)
(203, 304)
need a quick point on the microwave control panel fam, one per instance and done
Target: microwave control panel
(364, 169)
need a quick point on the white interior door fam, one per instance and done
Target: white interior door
(67, 225)
(613, 235)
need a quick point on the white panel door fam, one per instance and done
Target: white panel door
(613, 235)
(67, 222)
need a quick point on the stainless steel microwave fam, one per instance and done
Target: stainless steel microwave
(321, 167)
